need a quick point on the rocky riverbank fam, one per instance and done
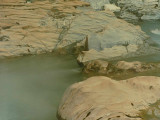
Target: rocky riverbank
(64, 26)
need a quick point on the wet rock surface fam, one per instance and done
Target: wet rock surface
(107, 99)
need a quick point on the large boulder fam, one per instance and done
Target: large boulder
(102, 98)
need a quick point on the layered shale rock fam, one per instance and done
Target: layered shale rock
(102, 98)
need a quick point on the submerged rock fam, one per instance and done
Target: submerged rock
(104, 98)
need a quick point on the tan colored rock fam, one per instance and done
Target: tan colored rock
(123, 65)
(99, 66)
(101, 98)
(31, 28)
(107, 53)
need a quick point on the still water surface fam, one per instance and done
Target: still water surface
(152, 28)
(32, 86)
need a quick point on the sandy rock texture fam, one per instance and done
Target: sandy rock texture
(33, 28)
(102, 98)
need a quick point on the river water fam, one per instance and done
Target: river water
(152, 28)
(32, 86)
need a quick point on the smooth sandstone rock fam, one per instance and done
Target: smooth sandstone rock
(101, 98)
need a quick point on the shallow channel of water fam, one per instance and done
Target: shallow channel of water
(32, 86)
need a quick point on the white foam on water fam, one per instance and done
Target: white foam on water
(156, 31)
